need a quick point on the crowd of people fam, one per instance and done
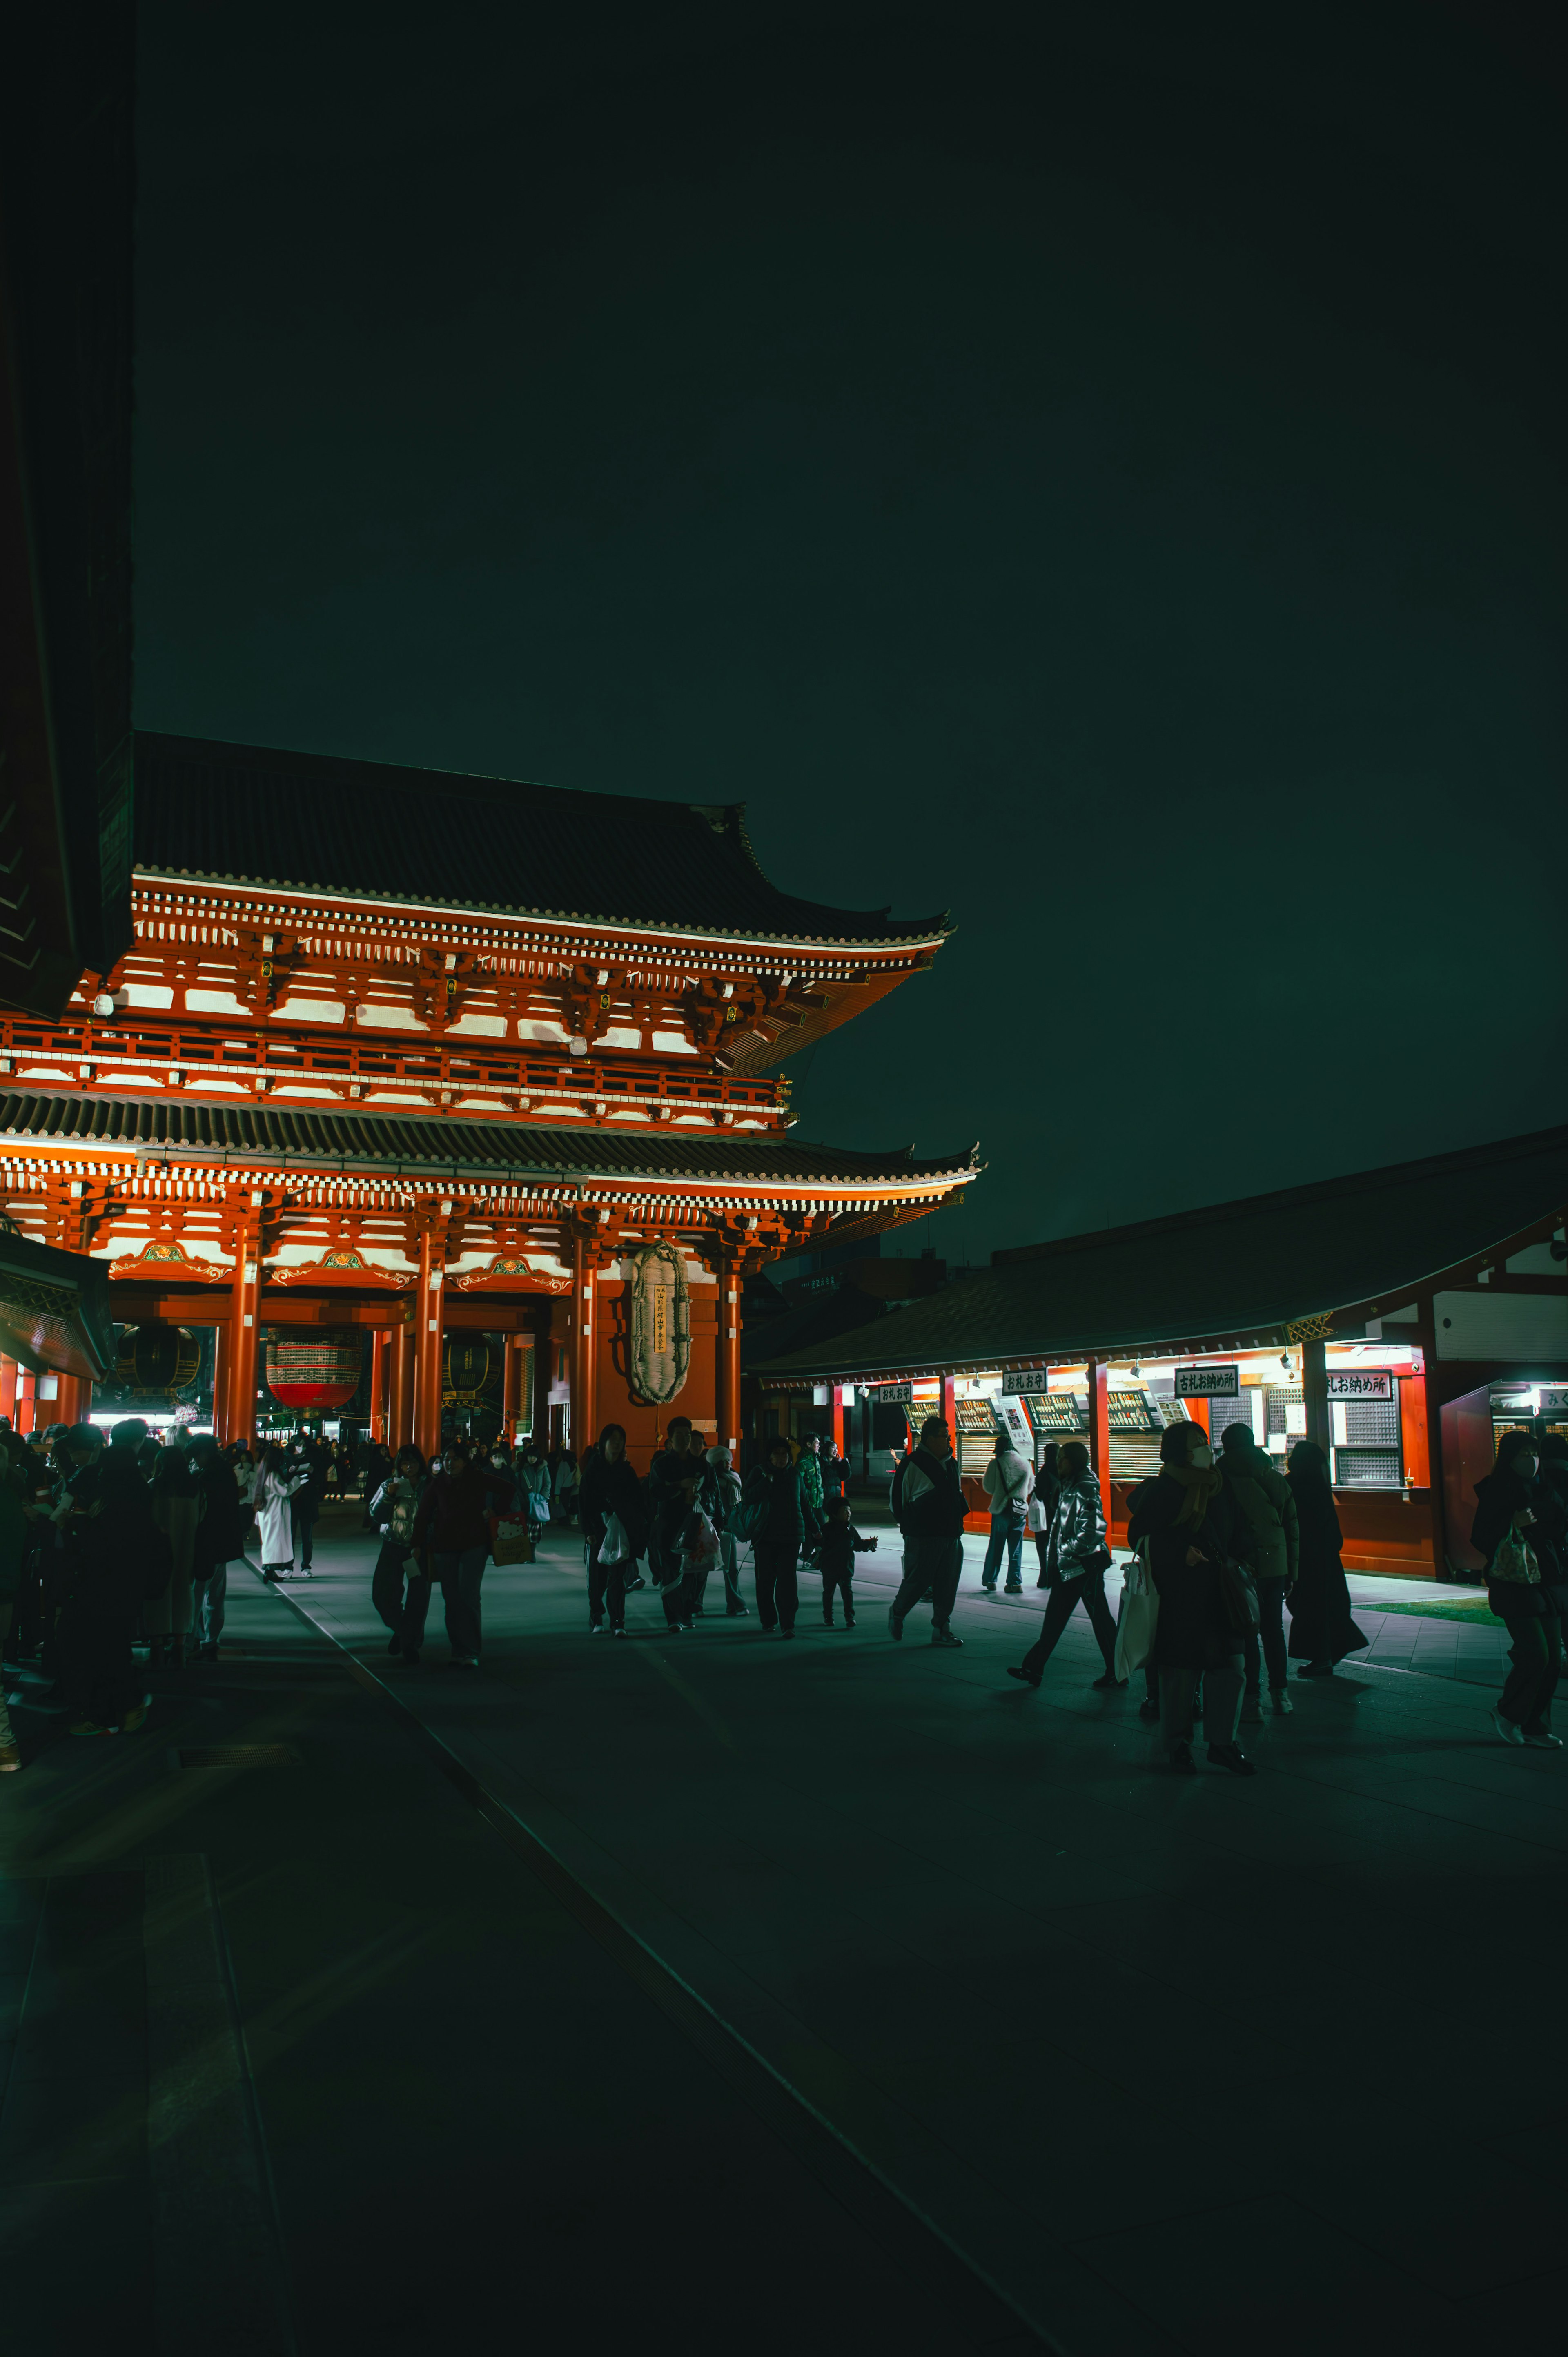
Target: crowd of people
(110, 1538)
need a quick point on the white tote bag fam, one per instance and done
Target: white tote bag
(1035, 1515)
(613, 1547)
(1139, 1616)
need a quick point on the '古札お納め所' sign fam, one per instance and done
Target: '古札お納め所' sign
(1209, 1382)
(1361, 1383)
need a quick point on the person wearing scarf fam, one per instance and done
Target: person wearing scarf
(1192, 1524)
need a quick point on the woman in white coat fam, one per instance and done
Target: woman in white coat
(275, 1486)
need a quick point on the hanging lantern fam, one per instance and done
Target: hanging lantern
(157, 1358)
(471, 1367)
(310, 1370)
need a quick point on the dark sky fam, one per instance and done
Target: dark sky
(1096, 467)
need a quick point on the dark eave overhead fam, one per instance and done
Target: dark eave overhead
(371, 830)
(1228, 1269)
(512, 1151)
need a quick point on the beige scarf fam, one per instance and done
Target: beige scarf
(1202, 1484)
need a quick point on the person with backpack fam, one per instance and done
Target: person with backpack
(929, 1507)
(725, 1497)
(220, 1541)
(1522, 1528)
(771, 1516)
(392, 1512)
(1268, 1509)
(1197, 1538)
(309, 1496)
(840, 1543)
(693, 1546)
(1008, 1481)
(1078, 1558)
(610, 1509)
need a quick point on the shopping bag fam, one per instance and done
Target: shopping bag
(1139, 1616)
(513, 1541)
(538, 1507)
(614, 1546)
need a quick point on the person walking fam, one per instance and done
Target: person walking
(776, 1550)
(393, 1509)
(1078, 1559)
(1008, 1483)
(567, 1483)
(1196, 1537)
(835, 1468)
(666, 1500)
(810, 1467)
(724, 1497)
(610, 1493)
(1519, 1527)
(453, 1522)
(310, 1458)
(275, 1484)
(220, 1540)
(16, 1545)
(1322, 1631)
(114, 1552)
(1268, 1508)
(840, 1543)
(929, 1507)
(177, 1507)
(1040, 1512)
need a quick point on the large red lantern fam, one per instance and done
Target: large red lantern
(310, 1370)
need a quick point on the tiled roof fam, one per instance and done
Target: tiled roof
(246, 813)
(453, 1148)
(1227, 1269)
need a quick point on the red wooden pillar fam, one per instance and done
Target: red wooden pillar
(72, 1400)
(512, 1381)
(729, 1359)
(838, 1418)
(1432, 1418)
(429, 1325)
(1315, 1393)
(1097, 1375)
(584, 1343)
(244, 1337)
(8, 1372)
(545, 1347)
(221, 1429)
(950, 1410)
(379, 1357)
(400, 1405)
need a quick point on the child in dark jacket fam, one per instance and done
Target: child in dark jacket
(840, 1543)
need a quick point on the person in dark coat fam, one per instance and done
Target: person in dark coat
(1043, 1507)
(219, 1539)
(1520, 1526)
(114, 1550)
(928, 1506)
(840, 1543)
(394, 1508)
(1079, 1559)
(1195, 1529)
(609, 1487)
(453, 1520)
(1321, 1629)
(776, 1550)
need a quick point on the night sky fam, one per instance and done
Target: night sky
(1095, 474)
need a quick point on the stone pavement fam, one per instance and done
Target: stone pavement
(1178, 2065)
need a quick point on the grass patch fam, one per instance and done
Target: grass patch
(1476, 1608)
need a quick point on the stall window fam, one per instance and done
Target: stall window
(1368, 1453)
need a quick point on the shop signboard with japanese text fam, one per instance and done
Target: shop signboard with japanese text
(1361, 1383)
(1209, 1382)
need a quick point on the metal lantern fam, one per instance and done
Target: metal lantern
(157, 1358)
(307, 1369)
(471, 1370)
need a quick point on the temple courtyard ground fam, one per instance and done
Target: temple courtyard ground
(716, 1992)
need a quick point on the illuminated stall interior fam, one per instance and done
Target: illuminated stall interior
(1400, 1318)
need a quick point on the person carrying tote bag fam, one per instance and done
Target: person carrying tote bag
(1078, 1559)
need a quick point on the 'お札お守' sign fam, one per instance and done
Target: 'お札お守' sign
(891, 1395)
(1362, 1383)
(1209, 1382)
(1031, 1383)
